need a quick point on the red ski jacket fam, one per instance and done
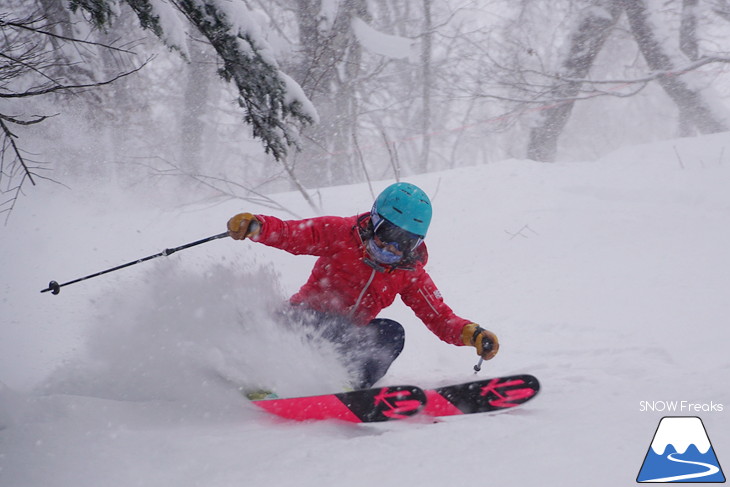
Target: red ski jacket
(343, 283)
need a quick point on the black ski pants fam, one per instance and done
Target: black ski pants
(366, 351)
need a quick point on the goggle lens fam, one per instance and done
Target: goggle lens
(390, 234)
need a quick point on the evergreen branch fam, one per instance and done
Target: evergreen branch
(261, 86)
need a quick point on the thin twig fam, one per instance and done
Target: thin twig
(21, 25)
(53, 89)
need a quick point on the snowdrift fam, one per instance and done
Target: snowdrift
(608, 280)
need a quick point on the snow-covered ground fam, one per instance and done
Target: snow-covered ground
(608, 280)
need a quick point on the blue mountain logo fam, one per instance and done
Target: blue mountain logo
(681, 452)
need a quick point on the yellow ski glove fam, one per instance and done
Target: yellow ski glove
(485, 341)
(243, 225)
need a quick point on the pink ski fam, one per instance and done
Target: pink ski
(400, 402)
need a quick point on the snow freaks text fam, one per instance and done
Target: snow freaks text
(680, 407)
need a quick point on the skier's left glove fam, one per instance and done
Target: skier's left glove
(485, 341)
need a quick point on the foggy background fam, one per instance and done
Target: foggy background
(369, 90)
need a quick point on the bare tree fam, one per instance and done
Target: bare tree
(329, 69)
(722, 9)
(593, 28)
(427, 83)
(688, 42)
(195, 100)
(32, 65)
(694, 110)
(557, 91)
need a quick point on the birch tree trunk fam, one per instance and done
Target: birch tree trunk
(192, 126)
(330, 75)
(426, 70)
(688, 30)
(693, 108)
(689, 45)
(590, 35)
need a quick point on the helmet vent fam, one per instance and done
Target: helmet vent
(405, 206)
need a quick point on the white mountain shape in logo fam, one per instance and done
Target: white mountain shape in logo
(681, 432)
(680, 452)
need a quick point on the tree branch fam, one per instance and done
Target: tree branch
(52, 89)
(227, 187)
(26, 26)
(11, 138)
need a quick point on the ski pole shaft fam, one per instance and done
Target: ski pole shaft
(478, 366)
(55, 287)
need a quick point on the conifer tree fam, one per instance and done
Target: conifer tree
(274, 104)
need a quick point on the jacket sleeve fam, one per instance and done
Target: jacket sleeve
(424, 298)
(312, 236)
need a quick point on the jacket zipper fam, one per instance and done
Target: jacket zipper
(351, 314)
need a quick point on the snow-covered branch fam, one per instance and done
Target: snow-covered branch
(275, 106)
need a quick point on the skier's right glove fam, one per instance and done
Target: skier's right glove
(485, 341)
(243, 225)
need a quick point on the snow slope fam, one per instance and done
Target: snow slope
(608, 280)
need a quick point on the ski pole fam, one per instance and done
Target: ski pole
(478, 366)
(55, 287)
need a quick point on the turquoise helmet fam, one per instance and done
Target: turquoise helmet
(405, 205)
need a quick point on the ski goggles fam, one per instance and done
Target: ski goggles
(382, 255)
(390, 234)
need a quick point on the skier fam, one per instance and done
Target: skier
(364, 261)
